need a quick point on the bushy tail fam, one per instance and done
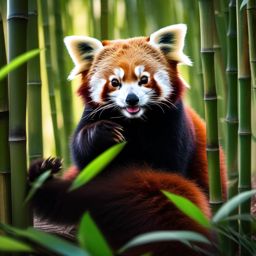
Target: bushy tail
(124, 204)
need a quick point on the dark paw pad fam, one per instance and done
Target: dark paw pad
(42, 165)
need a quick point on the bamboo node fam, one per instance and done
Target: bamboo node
(210, 98)
(212, 149)
(34, 83)
(207, 50)
(17, 16)
(245, 133)
(17, 139)
(231, 120)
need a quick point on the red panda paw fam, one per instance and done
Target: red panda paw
(42, 165)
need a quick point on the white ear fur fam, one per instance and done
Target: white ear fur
(82, 50)
(170, 40)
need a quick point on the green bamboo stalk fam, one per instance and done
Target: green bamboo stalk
(141, 17)
(104, 19)
(17, 80)
(43, 12)
(132, 18)
(95, 22)
(192, 47)
(35, 134)
(244, 114)
(62, 83)
(5, 185)
(232, 115)
(206, 12)
(251, 16)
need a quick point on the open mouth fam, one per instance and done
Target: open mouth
(133, 110)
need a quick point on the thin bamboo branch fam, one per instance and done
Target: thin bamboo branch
(5, 185)
(104, 19)
(17, 80)
(62, 83)
(244, 114)
(43, 7)
(35, 140)
(232, 115)
(206, 12)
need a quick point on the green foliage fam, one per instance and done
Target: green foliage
(9, 244)
(186, 237)
(96, 166)
(23, 58)
(91, 239)
(188, 208)
(37, 184)
(50, 243)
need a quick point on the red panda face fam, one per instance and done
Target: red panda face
(129, 75)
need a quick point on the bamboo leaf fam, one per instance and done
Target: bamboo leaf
(37, 184)
(162, 236)
(91, 239)
(17, 62)
(96, 166)
(188, 208)
(230, 205)
(9, 244)
(50, 242)
(243, 4)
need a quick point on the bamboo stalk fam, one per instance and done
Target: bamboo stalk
(206, 12)
(251, 16)
(35, 140)
(244, 114)
(43, 7)
(192, 45)
(63, 84)
(5, 185)
(94, 20)
(17, 80)
(104, 19)
(132, 18)
(232, 115)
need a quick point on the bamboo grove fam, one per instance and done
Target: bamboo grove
(39, 107)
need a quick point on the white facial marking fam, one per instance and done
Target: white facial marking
(138, 70)
(119, 72)
(96, 87)
(163, 81)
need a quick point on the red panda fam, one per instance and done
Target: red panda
(132, 92)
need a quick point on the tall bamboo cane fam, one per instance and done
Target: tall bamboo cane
(5, 189)
(251, 16)
(35, 140)
(43, 12)
(63, 84)
(104, 19)
(232, 115)
(17, 80)
(206, 12)
(244, 114)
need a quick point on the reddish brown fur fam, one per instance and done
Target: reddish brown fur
(128, 54)
(129, 203)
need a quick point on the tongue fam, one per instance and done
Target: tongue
(133, 110)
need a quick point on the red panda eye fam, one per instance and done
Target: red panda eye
(143, 80)
(115, 82)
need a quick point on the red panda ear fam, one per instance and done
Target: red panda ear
(82, 50)
(170, 40)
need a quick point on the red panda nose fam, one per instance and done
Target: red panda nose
(132, 99)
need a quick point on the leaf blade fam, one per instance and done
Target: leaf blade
(18, 61)
(91, 239)
(161, 236)
(9, 244)
(188, 208)
(96, 166)
(230, 205)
